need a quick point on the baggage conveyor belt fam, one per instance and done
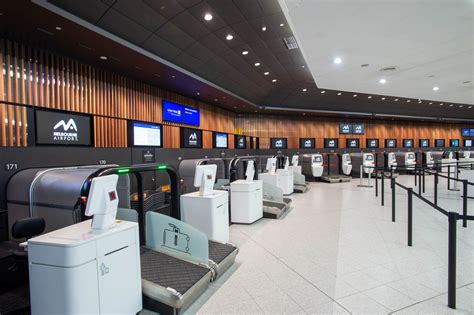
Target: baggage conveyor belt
(222, 256)
(174, 282)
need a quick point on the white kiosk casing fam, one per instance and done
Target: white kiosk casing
(429, 159)
(317, 167)
(207, 209)
(246, 198)
(346, 164)
(369, 163)
(286, 178)
(391, 160)
(279, 178)
(410, 160)
(76, 270)
(295, 164)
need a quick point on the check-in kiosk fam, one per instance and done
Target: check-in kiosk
(286, 178)
(346, 164)
(366, 160)
(406, 161)
(312, 166)
(299, 181)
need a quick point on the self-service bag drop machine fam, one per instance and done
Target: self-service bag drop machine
(299, 182)
(366, 160)
(312, 165)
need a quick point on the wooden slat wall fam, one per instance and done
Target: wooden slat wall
(294, 128)
(40, 78)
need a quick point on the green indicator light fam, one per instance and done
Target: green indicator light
(162, 167)
(123, 170)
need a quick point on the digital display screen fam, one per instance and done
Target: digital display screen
(454, 143)
(148, 135)
(352, 143)
(192, 116)
(220, 140)
(60, 128)
(424, 143)
(191, 138)
(307, 143)
(468, 142)
(408, 143)
(181, 114)
(278, 143)
(345, 129)
(240, 142)
(439, 143)
(331, 143)
(390, 143)
(372, 143)
(358, 129)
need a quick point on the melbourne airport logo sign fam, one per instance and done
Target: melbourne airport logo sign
(279, 143)
(63, 131)
(331, 143)
(308, 143)
(193, 139)
(353, 143)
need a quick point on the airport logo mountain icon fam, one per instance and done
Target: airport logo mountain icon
(69, 131)
(193, 139)
(307, 143)
(279, 143)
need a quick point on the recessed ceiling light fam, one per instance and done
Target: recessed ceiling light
(103, 57)
(266, 73)
(229, 37)
(369, 96)
(470, 107)
(245, 52)
(435, 88)
(441, 104)
(431, 103)
(304, 90)
(382, 81)
(264, 28)
(59, 28)
(396, 100)
(282, 24)
(408, 101)
(339, 93)
(257, 64)
(173, 76)
(302, 66)
(322, 92)
(450, 105)
(208, 16)
(216, 99)
(355, 95)
(274, 80)
(235, 106)
(383, 98)
(198, 93)
(337, 60)
(460, 106)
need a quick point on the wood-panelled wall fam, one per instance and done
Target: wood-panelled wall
(294, 128)
(42, 79)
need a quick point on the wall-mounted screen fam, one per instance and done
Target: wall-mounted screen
(220, 140)
(372, 143)
(408, 143)
(454, 143)
(466, 132)
(145, 134)
(424, 143)
(307, 143)
(240, 142)
(468, 143)
(439, 143)
(278, 143)
(181, 114)
(61, 128)
(191, 138)
(390, 143)
(331, 143)
(345, 129)
(352, 143)
(358, 129)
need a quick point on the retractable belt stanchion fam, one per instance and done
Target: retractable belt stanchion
(392, 182)
(410, 216)
(452, 222)
(464, 202)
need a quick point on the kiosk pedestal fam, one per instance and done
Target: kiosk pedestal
(246, 199)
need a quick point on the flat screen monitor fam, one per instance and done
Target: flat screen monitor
(62, 128)
(358, 129)
(278, 143)
(240, 142)
(220, 140)
(390, 143)
(352, 143)
(307, 143)
(466, 132)
(439, 143)
(424, 143)
(191, 138)
(372, 143)
(345, 129)
(192, 116)
(145, 135)
(173, 112)
(408, 143)
(468, 143)
(454, 143)
(331, 143)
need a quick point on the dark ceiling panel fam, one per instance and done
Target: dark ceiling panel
(250, 8)
(270, 6)
(189, 24)
(167, 8)
(201, 52)
(89, 10)
(140, 13)
(116, 23)
(227, 11)
(161, 47)
(199, 10)
(245, 31)
(213, 43)
(188, 62)
(175, 36)
(188, 3)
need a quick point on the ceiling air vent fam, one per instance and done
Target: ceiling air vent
(290, 42)
(388, 69)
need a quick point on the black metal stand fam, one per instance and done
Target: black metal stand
(452, 221)
(410, 216)
(392, 181)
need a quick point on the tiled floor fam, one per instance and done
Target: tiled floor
(338, 252)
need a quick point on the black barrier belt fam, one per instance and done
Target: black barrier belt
(431, 204)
